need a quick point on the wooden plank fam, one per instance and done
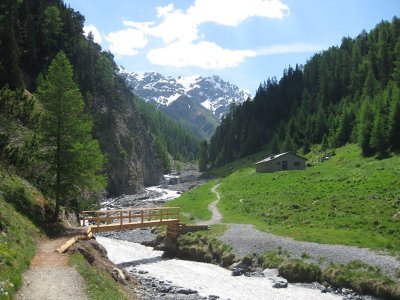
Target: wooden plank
(113, 227)
(130, 209)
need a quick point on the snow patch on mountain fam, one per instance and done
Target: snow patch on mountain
(213, 93)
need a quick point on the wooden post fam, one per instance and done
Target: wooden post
(108, 217)
(130, 220)
(161, 214)
(83, 219)
(141, 216)
(98, 221)
(120, 215)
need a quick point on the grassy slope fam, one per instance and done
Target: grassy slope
(17, 233)
(194, 203)
(22, 220)
(346, 200)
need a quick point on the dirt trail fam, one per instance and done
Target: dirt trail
(49, 276)
(216, 215)
(244, 239)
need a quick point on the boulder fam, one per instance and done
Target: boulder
(238, 272)
(185, 291)
(118, 276)
(270, 273)
(279, 282)
(239, 265)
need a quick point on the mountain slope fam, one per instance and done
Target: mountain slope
(349, 93)
(192, 115)
(211, 93)
(27, 49)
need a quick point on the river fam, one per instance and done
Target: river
(162, 278)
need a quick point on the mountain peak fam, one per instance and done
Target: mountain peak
(212, 92)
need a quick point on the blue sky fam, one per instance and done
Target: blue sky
(243, 41)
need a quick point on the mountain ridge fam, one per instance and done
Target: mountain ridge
(212, 92)
(210, 97)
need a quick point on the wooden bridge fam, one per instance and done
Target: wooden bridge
(132, 218)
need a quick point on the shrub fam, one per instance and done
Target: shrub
(362, 278)
(200, 247)
(295, 270)
(272, 259)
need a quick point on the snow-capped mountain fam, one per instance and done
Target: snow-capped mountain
(213, 93)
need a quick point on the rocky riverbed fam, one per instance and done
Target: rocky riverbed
(147, 269)
(171, 187)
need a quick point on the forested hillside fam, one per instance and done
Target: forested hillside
(348, 93)
(168, 136)
(32, 33)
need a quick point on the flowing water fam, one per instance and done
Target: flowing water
(206, 279)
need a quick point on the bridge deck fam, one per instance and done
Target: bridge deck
(133, 225)
(131, 218)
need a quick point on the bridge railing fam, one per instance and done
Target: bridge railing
(129, 215)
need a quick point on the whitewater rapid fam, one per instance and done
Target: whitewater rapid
(207, 279)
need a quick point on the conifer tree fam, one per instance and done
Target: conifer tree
(73, 155)
(379, 139)
(203, 156)
(394, 120)
(365, 124)
(324, 143)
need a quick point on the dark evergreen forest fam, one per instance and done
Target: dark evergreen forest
(32, 32)
(346, 94)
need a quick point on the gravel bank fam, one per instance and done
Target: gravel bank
(246, 239)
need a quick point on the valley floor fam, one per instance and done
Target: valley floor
(244, 239)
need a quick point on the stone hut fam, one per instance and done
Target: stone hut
(279, 162)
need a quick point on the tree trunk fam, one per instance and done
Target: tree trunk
(58, 174)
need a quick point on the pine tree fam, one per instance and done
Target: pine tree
(345, 127)
(162, 154)
(289, 144)
(365, 124)
(324, 143)
(203, 156)
(379, 139)
(274, 145)
(74, 156)
(394, 120)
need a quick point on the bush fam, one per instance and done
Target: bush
(362, 278)
(199, 247)
(295, 270)
(272, 259)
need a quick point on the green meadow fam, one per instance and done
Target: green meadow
(347, 200)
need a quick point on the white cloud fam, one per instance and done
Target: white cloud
(185, 45)
(95, 32)
(178, 25)
(164, 10)
(232, 13)
(126, 42)
(205, 55)
(288, 48)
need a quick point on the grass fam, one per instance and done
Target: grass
(272, 259)
(347, 199)
(362, 278)
(204, 246)
(97, 284)
(194, 203)
(17, 232)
